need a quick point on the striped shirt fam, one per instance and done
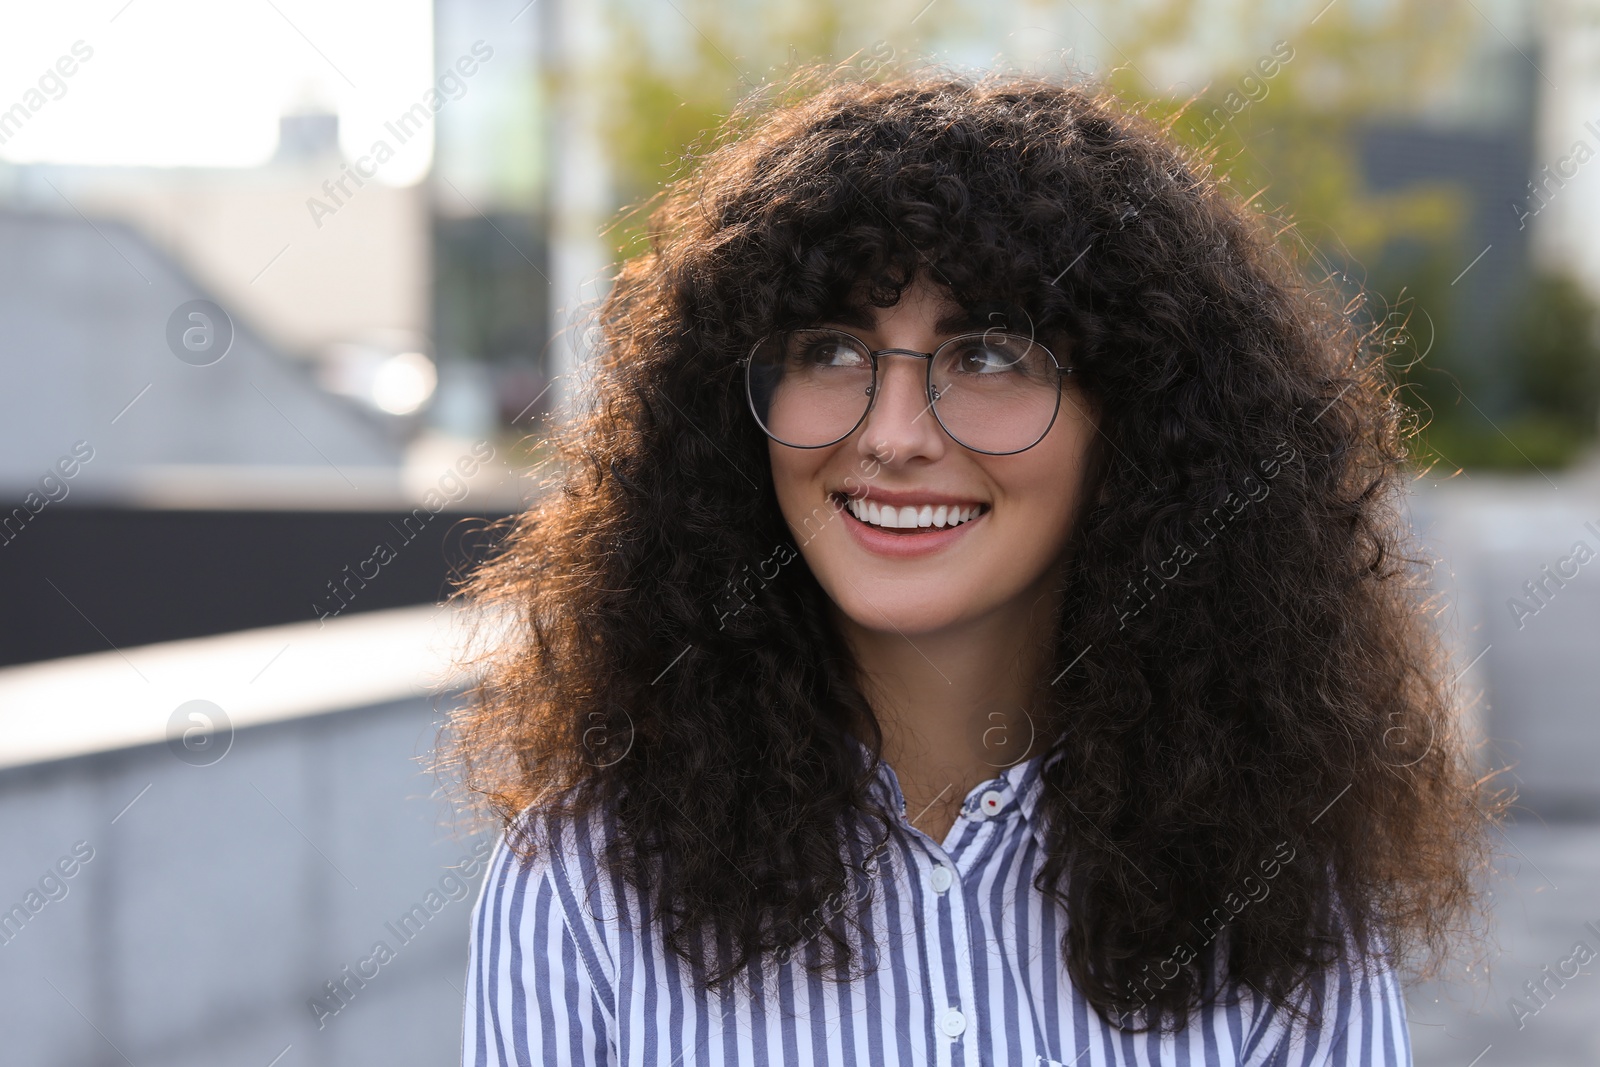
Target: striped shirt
(968, 971)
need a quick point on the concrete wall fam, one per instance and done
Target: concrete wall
(1532, 655)
(224, 897)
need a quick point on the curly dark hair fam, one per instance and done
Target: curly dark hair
(1245, 666)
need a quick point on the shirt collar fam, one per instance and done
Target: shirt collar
(1024, 781)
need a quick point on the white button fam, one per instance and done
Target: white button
(991, 803)
(953, 1023)
(940, 878)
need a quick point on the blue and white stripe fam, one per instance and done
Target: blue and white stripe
(563, 971)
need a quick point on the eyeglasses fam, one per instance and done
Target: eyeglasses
(993, 392)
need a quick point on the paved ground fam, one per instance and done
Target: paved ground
(1549, 888)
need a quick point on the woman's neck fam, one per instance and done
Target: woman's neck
(955, 705)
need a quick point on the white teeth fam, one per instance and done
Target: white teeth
(908, 517)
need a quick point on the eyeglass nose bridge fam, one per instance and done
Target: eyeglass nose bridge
(872, 390)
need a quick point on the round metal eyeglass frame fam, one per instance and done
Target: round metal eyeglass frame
(929, 391)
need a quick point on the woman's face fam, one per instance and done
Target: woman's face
(930, 578)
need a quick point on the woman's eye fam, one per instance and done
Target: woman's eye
(988, 357)
(828, 352)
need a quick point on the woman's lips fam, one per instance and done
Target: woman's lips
(913, 515)
(909, 511)
(902, 543)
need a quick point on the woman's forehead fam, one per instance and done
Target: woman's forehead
(955, 313)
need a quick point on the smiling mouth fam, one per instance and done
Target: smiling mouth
(909, 518)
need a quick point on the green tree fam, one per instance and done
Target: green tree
(1555, 351)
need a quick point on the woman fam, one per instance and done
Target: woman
(970, 626)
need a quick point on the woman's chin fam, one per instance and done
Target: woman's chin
(899, 610)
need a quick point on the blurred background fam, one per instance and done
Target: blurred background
(289, 289)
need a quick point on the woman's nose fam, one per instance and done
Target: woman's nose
(901, 422)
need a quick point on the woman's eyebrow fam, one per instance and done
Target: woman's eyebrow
(956, 321)
(959, 321)
(851, 316)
